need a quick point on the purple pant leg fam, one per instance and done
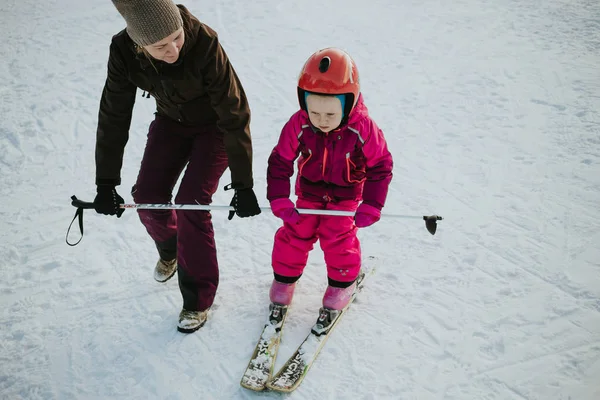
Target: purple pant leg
(165, 156)
(169, 148)
(198, 270)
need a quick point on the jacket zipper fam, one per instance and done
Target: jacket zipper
(324, 162)
(304, 162)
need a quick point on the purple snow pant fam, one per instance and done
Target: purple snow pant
(169, 148)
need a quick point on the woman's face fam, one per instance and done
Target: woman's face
(325, 112)
(168, 49)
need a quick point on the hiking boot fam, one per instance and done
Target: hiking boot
(191, 321)
(164, 270)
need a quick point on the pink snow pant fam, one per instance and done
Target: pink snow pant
(336, 235)
(170, 147)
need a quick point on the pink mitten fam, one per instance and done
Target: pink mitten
(284, 209)
(366, 215)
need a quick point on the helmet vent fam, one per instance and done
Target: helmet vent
(324, 64)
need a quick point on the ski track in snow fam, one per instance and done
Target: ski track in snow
(491, 111)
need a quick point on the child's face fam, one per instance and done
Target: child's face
(325, 112)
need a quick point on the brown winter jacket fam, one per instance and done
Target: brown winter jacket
(200, 89)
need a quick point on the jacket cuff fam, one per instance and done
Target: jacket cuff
(238, 186)
(108, 181)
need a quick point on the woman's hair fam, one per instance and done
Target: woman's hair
(141, 50)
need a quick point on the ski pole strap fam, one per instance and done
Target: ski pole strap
(81, 205)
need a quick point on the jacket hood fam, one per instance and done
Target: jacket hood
(359, 111)
(191, 26)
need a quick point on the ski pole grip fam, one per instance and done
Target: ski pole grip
(75, 202)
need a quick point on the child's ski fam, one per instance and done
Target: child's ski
(295, 369)
(262, 362)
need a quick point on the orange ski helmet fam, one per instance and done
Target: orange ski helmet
(330, 71)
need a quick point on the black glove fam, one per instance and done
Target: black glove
(244, 203)
(107, 201)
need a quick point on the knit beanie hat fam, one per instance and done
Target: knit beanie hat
(149, 21)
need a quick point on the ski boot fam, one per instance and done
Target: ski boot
(282, 293)
(281, 297)
(334, 302)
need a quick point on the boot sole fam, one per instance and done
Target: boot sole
(190, 330)
(166, 279)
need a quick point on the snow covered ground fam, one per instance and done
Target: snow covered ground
(492, 111)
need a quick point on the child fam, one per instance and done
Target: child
(343, 161)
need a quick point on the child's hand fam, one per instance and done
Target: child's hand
(284, 209)
(366, 215)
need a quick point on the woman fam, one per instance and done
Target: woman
(201, 124)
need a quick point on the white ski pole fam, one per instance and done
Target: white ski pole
(430, 220)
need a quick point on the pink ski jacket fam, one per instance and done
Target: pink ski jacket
(350, 163)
